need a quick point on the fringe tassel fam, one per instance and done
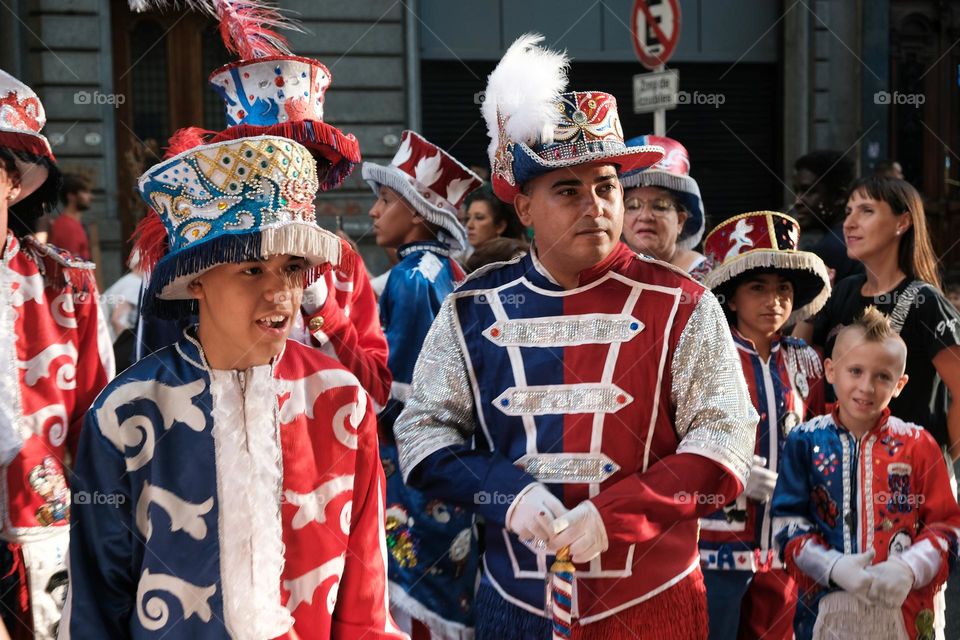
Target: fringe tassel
(681, 609)
(497, 618)
(337, 153)
(299, 239)
(842, 615)
(810, 273)
(60, 269)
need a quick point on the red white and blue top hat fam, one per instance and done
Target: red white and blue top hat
(21, 119)
(431, 180)
(283, 95)
(673, 173)
(535, 127)
(766, 241)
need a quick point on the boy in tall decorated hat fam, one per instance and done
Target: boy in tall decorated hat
(56, 356)
(240, 489)
(866, 519)
(581, 397)
(269, 91)
(433, 551)
(765, 284)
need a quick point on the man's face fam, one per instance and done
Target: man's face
(247, 309)
(83, 199)
(810, 205)
(394, 221)
(576, 214)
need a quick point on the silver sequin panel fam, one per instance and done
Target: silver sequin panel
(439, 412)
(715, 417)
(561, 331)
(562, 399)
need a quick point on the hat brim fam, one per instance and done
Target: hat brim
(336, 153)
(32, 174)
(168, 294)
(687, 190)
(528, 165)
(389, 176)
(807, 272)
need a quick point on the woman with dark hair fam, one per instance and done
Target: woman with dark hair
(488, 217)
(885, 229)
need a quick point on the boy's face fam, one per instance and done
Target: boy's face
(247, 309)
(576, 214)
(763, 303)
(865, 375)
(395, 222)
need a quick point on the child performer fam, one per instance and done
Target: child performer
(865, 516)
(764, 284)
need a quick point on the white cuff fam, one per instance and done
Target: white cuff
(817, 561)
(513, 505)
(924, 561)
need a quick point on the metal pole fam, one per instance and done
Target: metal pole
(660, 115)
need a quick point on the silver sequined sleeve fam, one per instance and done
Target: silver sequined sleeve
(439, 412)
(715, 416)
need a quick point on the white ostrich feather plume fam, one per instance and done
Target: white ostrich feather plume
(427, 170)
(524, 88)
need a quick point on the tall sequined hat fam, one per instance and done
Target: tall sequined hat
(535, 127)
(223, 202)
(431, 180)
(766, 241)
(21, 119)
(283, 95)
(672, 172)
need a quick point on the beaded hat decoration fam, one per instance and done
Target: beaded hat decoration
(673, 173)
(431, 180)
(225, 202)
(767, 241)
(21, 119)
(284, 95)
(535, 127)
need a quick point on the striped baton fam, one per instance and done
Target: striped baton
(561, 594)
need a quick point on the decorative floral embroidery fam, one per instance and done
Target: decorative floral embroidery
(48, 481)
(827, 510)
(400, 541)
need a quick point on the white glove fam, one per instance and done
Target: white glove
(582, 530)
(892, 582)
(315, 296)
(761, 481)
(850, 574)
(532, 512)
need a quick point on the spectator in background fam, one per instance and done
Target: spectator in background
(886, 229)
(67, 230)
(664, 215)
(888, 169)
(489, 218)
(821, 181)
(953, 294)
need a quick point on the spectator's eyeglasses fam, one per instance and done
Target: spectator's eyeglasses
(659, 207)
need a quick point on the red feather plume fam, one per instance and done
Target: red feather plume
(248, 29)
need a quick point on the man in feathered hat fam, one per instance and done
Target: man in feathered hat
(56, 356)
(581, 398)
(433, 552)
(236, 485)
(764, 284)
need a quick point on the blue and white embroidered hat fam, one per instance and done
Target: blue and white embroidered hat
(225, 202)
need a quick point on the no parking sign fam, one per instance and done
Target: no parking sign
(655, 25)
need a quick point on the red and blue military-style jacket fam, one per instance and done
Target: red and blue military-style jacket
(624, 390)
(785, 390)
